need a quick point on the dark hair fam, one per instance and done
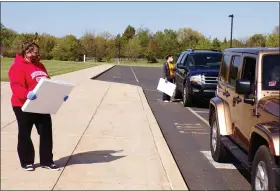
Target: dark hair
(28, 47)
(168, 56)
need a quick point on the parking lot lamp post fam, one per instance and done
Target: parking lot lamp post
(231, 29)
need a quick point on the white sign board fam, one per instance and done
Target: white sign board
(167, 88)
(50, 95)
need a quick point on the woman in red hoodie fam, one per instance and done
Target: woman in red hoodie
(24, 74)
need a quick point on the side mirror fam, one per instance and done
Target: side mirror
(243, 87)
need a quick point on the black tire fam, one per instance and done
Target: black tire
(187, 98)
(219, 153)
(263, 157)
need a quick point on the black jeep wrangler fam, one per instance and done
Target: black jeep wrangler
(196, 74)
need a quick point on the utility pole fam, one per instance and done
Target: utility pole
(231, 29)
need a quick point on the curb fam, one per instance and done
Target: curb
(172, 171)
(97, 75)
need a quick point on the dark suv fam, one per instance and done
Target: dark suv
(196, 74)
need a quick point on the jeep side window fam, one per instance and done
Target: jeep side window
(235, 64)
(224, 67)
(249, 71)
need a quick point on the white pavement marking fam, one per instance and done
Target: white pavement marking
(189, 127)
(207, 154)
(134, 74)
(183, 124)
(197, 115)
(198, 133)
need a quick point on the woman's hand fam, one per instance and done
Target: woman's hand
(65, 98)
(31, 95)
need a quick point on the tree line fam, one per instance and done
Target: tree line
(132, 44)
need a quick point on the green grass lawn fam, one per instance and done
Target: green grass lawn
(56, 67)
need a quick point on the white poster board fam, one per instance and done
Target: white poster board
(50, 96)
(167, 88)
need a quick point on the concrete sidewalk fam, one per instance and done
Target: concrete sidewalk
(105, 137)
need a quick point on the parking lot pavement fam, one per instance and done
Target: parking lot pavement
(186, 132)
(105, 137)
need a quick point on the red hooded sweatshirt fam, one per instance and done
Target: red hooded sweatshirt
(24, 76)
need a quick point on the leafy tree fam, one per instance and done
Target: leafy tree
(66, 49)
(46, 43)
(204, 43)
(88, 44)
(100, 48)
(216, 44)
(151, 51)
(133, 48)
(167, 43)
(144, 37)
(188, 38)
(273, 39)
(129, 33)
(131, 44)
(7, 36)
(257, 40)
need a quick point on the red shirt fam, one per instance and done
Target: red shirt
(24, 76)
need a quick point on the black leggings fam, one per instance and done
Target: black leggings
(165, 96)
(25, 148)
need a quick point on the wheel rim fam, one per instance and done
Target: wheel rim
(214, 137)
(261, 179)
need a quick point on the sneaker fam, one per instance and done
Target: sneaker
(28, 167)
(51, 167)
(166, 101)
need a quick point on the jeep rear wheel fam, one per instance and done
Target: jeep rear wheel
(218, 150)
(187, 99)
(262, 174)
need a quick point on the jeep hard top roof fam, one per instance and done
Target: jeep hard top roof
(256, 50)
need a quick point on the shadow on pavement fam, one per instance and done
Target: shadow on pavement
(90, 157)
(201, 103)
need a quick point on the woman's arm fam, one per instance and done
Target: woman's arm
(17, 82)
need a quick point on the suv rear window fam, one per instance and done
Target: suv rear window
(271, 72)
(207, 60)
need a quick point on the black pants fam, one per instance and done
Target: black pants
(25, 146)
(165, 96)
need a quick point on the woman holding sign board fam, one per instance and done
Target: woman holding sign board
(24, 74)
(168, 74)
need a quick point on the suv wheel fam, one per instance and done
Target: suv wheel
(218, 150)
(262, 174)
(187, 99)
